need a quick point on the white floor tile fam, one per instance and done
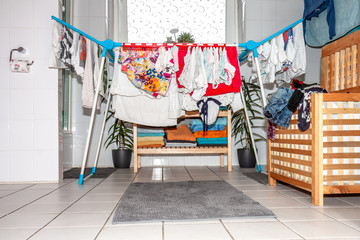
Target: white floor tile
(297, 194)
(299, 214)
(351, 200)
(260, 230)
(25, 220)
(19, 233)
(58, 198)
(100, 199)
(285, 202)
(79, 220)
(43, 208)
(133, 232)
(353, 223)
(91, 208)
(78, 233)
(104, 191)
(342, 213)
(323, 229)
(329, 202)
(5, 192)
(197, 231)
(264, 194)
(241, 182)
(253, 187)
(14, 187)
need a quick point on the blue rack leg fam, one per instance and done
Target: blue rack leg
(81, 179)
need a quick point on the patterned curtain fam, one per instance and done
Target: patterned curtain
(151, 20)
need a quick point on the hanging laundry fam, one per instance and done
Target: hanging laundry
(88, 87)
(66, 43)
(200, 80)
(175, 52)
(82, 55)
(57, 33)
(96, 67)
(150, 111)
(189, 104)
(185, 79)
(142, 67)
(185, 75)
(75, 51)
(282, 58)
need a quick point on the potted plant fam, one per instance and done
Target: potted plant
(121, 134)
(185, 37)
(240, 129)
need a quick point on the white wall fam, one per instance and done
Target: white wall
(29, 137)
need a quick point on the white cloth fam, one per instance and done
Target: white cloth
(76, 52)
(274, 60)
(200, 79)
(229, 69)
(74, 48)
(97, 70)
(237, 104)
(185, 78)
(280, 45)
(88, 82)
(212, 111)
(299, 63)
(57, 31)
(134, 105)
(296, 55)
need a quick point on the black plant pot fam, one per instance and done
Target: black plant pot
(246, 158)
(121, 158)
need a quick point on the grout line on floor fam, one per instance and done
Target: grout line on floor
(343, 200)
(33, 200)
(226, 229)
(188, 173)
(163, 230)
(339, 221)
(216, 174)
(290, 228)
(17, 191)
(68, 206)
(111, 213)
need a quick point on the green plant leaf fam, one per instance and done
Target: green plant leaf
(240, 130)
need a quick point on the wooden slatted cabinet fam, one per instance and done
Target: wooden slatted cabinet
(188, 150)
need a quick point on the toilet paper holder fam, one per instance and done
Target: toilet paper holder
(19, 65)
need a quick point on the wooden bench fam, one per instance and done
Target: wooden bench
(187, 150)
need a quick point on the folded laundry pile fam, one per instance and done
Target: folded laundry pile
(216, 134)
(180, 136)
(150, 137)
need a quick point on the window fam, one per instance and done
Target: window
(66, 81)
(151, 21)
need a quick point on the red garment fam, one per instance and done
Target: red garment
(222, 88)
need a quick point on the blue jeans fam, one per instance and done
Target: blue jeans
(276, 110)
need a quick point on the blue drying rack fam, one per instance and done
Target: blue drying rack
(108, 45)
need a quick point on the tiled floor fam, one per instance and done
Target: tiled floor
(69, 211)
